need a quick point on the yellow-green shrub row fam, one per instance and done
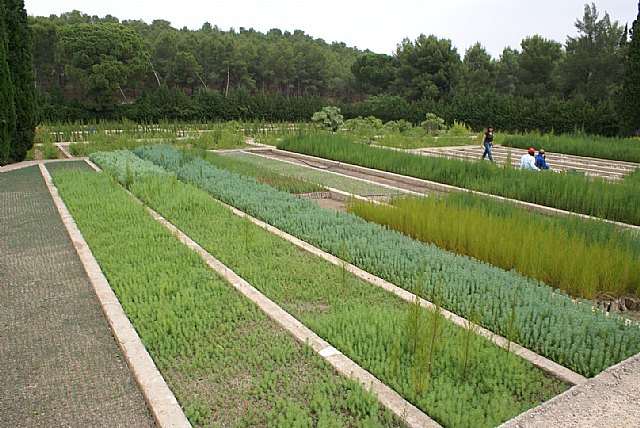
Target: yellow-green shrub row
(518, 240)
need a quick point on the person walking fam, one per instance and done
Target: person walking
(541, 161)
(487, 143)
(528, 160)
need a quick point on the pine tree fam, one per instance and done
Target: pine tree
(20, 60)
(7, 107)
(628, 105)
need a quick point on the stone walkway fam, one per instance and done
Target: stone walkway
(611, 399)
(59, 364)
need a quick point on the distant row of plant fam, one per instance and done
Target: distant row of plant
(431, 132)
(542, 248)
(592, 196)
(402, 134)
(225, 361)
(449, 372)
(621, 149)
(261, 174)
(323, 178)
(576, 335)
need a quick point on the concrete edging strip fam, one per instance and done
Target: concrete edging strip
(410, 414)
(162, 403)
(543, 363)
(26, 164)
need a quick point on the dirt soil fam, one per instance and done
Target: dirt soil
(334, 204)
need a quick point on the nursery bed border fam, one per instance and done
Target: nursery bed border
(162, 403)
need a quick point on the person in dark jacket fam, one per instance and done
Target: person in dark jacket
(487, 143)
(541, 161)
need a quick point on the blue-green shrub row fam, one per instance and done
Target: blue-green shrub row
(120, 164)
(577, 336)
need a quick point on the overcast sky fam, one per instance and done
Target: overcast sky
(366, 24)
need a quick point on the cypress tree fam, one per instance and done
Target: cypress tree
(20, 60)
(7, 107)
(628, 108)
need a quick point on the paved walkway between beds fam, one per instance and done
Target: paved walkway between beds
(59, 364)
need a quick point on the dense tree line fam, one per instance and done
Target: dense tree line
(206, 74)
(17, 92)
(629, 105)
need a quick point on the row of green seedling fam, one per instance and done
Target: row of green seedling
(226, 362)
(307, 174)
(128, 174)
(573, 334)
(533, 245)
(592, 196)
(261, 174)
(210, 140)
(620, 149)
(451, 373)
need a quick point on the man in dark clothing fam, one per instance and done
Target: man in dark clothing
(541, 161)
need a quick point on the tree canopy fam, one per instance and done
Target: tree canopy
(628, 105)
(17, 92)
(76, 61)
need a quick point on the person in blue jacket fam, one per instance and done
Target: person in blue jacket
(541, 161)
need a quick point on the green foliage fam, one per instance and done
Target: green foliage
(124, 161)
(262, 174)
(427, 67)
(594, 66)
(596, 197)
(477, 73)
(538, 67)
(628, 101)
(574, 334)
(459, 129)
(573, 261)
(360, 320)
(622, 149)
(108, 136)
(49, 151)
(213, 74)
(7, 106)
(322, 178)
(433, 123)
(20, 60)
(374, 73)
(366, 126)
(103, 58)
(227, 363)
(328, 117)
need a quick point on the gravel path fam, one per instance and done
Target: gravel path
(59, 364)
(611, 399)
